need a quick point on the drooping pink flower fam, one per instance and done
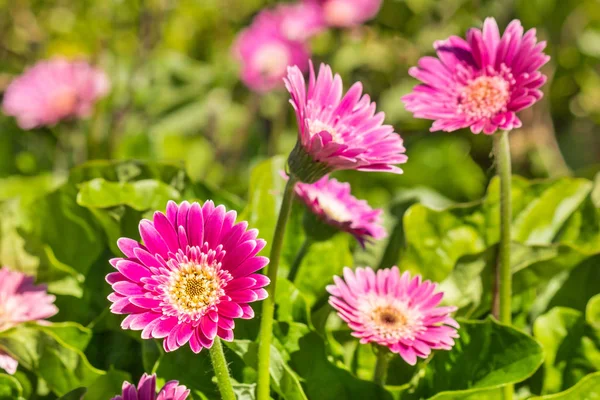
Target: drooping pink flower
(393, 310)
(54, 90)
(265, 49)
(194, 274)
(481, 82)
(332, 203)
(21, 301)
(146, 390)
(348, 13)
(338, 132)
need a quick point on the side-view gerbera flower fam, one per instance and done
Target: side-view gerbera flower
(146, 390)
(348, 13)
(394, 311)
(54, 90)
(193, 275)
(264, 50)
(21, 300)
(333, 204)
(481, 82)
(338, 132)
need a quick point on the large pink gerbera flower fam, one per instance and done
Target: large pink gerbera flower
(331, 202)
(21, 301)
(54, 90)
(267, 47)
(192, 276)
(146, 390)
(347, 13)
(338, 132)
(479, 83)
(394, 311)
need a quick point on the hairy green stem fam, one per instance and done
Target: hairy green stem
(268, 307)
(503, 275)
(298, 260)
(221, 371)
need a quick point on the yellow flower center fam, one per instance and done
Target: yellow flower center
(484, 97)
(195, 287)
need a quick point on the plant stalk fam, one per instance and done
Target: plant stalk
(298, 260)
(221, 371)
(268, 307)
(381, 367)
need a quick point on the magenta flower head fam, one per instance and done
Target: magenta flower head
(394, 311)
(21, 301)
(338, 132)
(348, 13)
(265, 49)
(332, 204)
(300, 21)
(54, 90)
(194, 274)
(146, 390)
(479, 83)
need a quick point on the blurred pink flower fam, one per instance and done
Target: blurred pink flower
(479, 83)
(265, 49)
(21, 301)
(348, 13)
(332, 202)
(338, 132)
(394, 311)
(300, 21)
(146, 390)
(54, 90)
(192, 276)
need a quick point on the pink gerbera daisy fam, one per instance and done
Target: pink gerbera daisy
(54, 90)
(21, 301)
(265, 49)
(331, 202)
(146, 390)
(192, 276)
(300, 21)
(479, 83)
(394, 311)
(348, 13)
(338, 132)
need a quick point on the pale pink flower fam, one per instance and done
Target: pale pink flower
(194, 274)
(21, 301)
(348, 13)
(393, 310)
(332, 203)
(481, 82)
(338, 132)
(265, 50)
(54, 90)
(300, 21)
(146, 390)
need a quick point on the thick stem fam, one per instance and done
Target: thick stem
(381, 367)
(298, 260)
(268, 308)
(503, 275)
(221, 371)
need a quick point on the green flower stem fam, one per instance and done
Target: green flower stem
(503, 275)
(221, 371)
(298, 260)
(268, 307)
(381, 367)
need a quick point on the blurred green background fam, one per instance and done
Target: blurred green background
(176, 94)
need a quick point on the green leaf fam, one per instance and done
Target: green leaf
(586, 389)
(10, 388)
(570, 347)
(487, 355)
(592, 312)
(108, 385)
(75, 394)
(48, 353)
(142, 195)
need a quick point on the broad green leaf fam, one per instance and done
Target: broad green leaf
(10, 388)
(592, 312)
(579, 287)
(487, 355)
(28, 187)
(75, 394)
(127, 171)
(570, 347)
(47, 352)
(108, 385)
(587, 388)
(140, 195)
(324, 380)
